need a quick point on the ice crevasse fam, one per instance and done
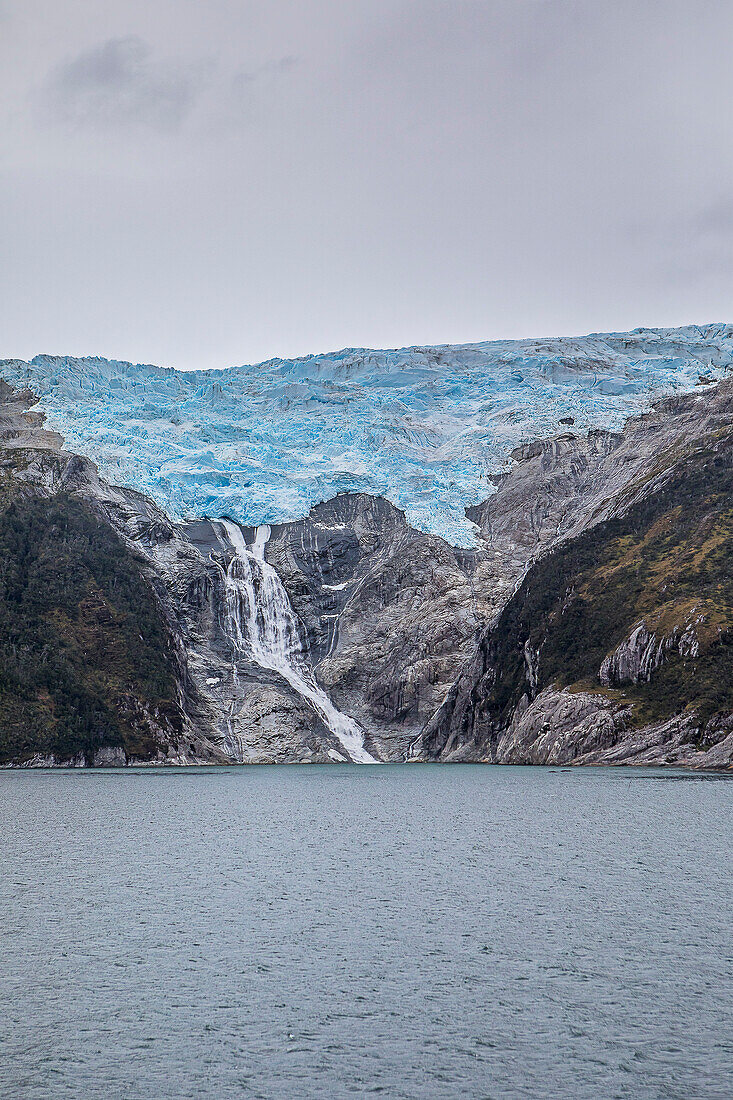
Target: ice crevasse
(425, 427)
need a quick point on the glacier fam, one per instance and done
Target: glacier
(426, 427)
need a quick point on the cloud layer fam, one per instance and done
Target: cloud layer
(120, 83)
(207, 184)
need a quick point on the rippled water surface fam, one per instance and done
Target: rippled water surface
(416, 931)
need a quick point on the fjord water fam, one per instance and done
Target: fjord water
(328, 931)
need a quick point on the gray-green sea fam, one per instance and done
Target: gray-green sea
(410, 931)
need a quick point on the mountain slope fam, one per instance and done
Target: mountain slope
(86, 663)
(92, 666)
(618, 645)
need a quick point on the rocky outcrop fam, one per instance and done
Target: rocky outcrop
(88, 661)
(559, 487)
(616, 647)
(561, 727)
(390, 614)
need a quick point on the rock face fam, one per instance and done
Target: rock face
(590, 624)
(617, 645)
(561, 486)
(390, 613)
(562, 727)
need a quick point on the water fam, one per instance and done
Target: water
(262, 625)
(407, 931)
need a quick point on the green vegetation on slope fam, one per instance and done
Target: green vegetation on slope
(84, 650)
(668, 562)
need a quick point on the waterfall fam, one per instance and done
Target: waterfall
(262, 624)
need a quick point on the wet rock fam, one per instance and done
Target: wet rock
(110, 756)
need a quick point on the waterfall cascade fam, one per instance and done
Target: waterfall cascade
(262, 624)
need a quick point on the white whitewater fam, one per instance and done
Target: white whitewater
(263, 626)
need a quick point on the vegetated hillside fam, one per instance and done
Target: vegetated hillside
(85, 656)
(637, 611)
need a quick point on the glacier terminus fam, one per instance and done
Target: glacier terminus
(428, 428)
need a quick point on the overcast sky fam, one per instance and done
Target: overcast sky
(207, 183)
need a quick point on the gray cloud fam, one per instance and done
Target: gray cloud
(270, 68)
(377, 172)
(716, 219)
(119, 83)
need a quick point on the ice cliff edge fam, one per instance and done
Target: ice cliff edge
(425, 427)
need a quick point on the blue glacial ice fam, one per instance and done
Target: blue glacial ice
(424, 427)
